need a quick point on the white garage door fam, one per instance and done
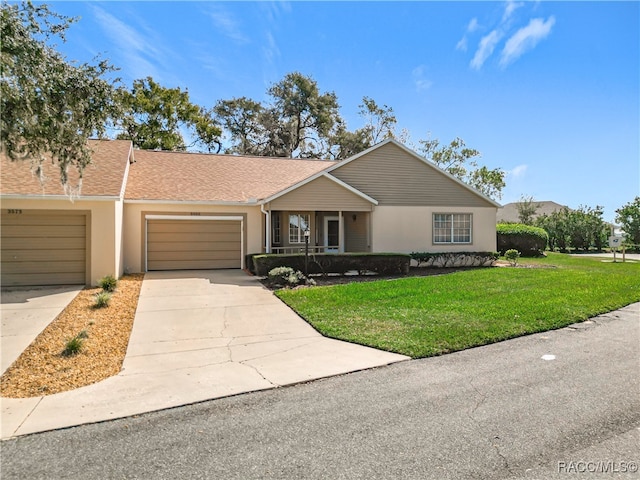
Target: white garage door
(43, 248)
(193, 244)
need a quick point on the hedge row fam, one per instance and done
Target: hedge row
(455, 259)
(325, 263)
(528, 240)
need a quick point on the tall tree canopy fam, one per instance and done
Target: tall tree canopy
(458, 160)
(154, 116)
(298, 121)
(48, 106)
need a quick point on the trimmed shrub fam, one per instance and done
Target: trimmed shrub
(529, 241)
(325, 263)
(454, 259)
(512, 257)
(288, 277)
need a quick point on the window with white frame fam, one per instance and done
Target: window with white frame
(298, 223)
(276, 237)
(452, 227)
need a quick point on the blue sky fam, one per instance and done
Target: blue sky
(548, 91)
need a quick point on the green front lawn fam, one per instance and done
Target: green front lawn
(424, 316)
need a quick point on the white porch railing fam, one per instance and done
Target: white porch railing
(301, 249)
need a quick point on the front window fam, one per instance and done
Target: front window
(275, 228)
(298, 223)
(452, 228)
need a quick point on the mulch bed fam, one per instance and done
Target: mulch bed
(43, 369)
(343, 279)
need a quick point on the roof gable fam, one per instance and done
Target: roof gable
(395, 175)
(321, 192)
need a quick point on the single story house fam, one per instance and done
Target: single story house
(150, 210)
(509, 211)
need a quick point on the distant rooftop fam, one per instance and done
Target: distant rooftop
(509, 211)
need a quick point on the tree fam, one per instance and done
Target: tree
(153, 118)
(527, 209)
(48, 107)
(298, 122)
(306, 118)
(628, 216)
(242, 119)
(380, 121)
(580, 229)
(458, 160)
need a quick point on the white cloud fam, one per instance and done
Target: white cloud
(526, 39)
(270, 50)
(509, 8)
(419, 80)
(472, 27)
(462, 44)
(141, 54)
(485, 48)
(518, 172)
(226, 23)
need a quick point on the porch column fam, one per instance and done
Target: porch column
(340, 233)
(267, 232)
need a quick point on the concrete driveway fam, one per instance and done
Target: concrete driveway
(198, 336)
(25, 313)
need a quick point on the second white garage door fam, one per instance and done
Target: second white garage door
(193, 244)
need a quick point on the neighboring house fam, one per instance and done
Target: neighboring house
(149, 210)
(509, 211)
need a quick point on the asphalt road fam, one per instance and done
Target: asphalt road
(500, 411)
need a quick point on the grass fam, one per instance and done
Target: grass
(425, 316)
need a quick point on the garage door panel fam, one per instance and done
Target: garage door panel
(41, 279)
(36, 244)
(194, 255)
(22, 255)
(194, 265)
(43, 231)
(196, 227)
(193, 244)
(39, 220)
(43, 249)
(181, 238)
(44, 267)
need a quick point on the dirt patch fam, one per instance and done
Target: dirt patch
(43, 369)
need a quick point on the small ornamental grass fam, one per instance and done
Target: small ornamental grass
(102, 299)
(73, 346)
(108, 283)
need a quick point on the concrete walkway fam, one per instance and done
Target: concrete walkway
(197, 336)
(25, 313)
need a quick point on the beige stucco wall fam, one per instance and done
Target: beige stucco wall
(103, 232)
(133, 225)
(410, 229)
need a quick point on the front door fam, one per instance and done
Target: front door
(332, 234)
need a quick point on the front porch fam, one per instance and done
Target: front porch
(329, 231)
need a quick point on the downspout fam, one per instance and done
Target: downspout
(267, 228)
